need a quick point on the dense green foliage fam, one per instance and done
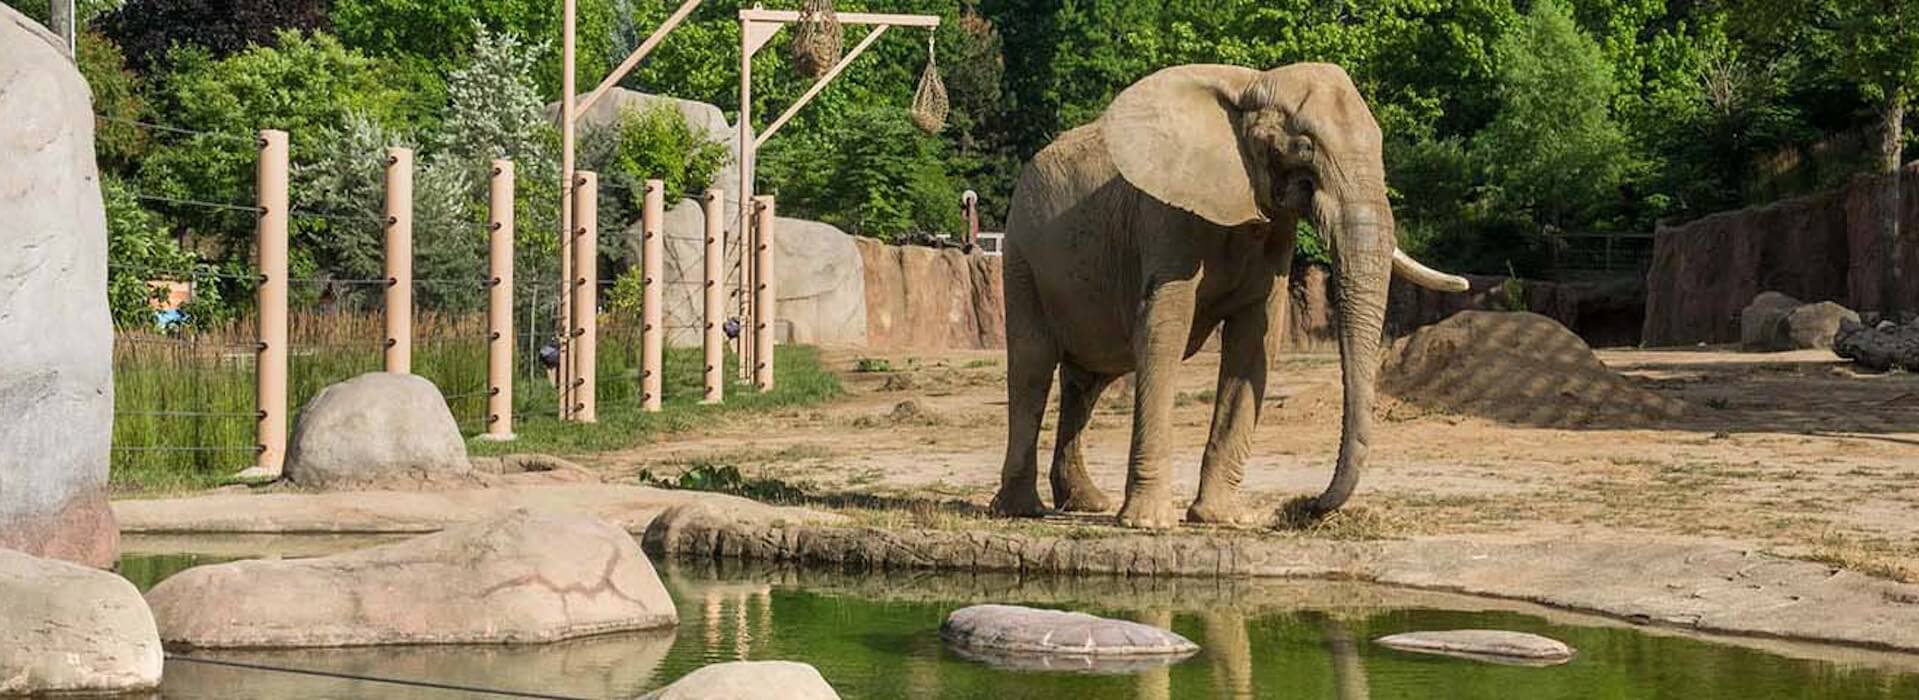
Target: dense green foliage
(1507, 121)
(657, 143)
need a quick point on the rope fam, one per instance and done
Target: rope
(196, 203)
(250, 448)
(370, 679)
(175, 129)
(185, 414)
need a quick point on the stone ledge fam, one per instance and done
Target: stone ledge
(1690, 585)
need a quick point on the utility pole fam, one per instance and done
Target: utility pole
(61, 14)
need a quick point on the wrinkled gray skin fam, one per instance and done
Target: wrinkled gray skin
(1131, 239)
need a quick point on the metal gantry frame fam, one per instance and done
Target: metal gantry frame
(757, 27)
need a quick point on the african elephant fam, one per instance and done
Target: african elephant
(1133, 238)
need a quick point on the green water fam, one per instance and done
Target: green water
(876, 636)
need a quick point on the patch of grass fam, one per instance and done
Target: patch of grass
(1873, 557)
(719, 477)
(872, 364)
(981, 364)
(185, 414)
(801, 381)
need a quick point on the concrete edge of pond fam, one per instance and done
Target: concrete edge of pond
(1698, 586)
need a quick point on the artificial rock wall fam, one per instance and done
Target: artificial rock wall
(56, 339)
(1820, 247)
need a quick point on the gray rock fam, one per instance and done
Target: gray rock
(749, 680)
(820, 286)
(1762, 325)
(521, 577)
(1813, 326)
(65, 628)
(56, 374)
(1011, 630)
(1488, 645)
(377, 430)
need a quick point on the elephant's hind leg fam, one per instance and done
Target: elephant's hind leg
(1032, 355)
(1073, 490)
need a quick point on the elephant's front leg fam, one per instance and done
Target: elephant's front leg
(1159, 343)
(1247, 345)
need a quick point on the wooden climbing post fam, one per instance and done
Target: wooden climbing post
(499, 304)
(713, 337)
(270, 363)
(653, 277)
(586, 294)
(399, 260)
(763, 298)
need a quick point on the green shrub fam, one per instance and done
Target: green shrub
(658, 143)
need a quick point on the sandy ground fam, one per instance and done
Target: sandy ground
(1790, 453)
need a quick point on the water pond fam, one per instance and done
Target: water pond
(876, 636)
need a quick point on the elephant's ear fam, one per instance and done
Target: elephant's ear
(1175, 136)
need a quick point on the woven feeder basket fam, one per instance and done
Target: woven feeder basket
(818, 39)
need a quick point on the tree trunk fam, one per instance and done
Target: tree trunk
(1891, 138)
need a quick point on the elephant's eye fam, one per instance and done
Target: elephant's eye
(1301, 148)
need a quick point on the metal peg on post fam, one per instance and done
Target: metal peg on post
(270, 364)
(586, 293)
(652, 316)
(399, 260)
(499, 304)
(763, 298)
(713, 337)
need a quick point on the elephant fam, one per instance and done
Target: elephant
(1132, 239)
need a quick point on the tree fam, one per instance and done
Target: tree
(117, 98)
(149, 29)
(1554, 149)
(440, 32)
(307, 84)
(139, 250)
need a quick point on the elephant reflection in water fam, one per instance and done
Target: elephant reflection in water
(718, 600)
(1230, 647)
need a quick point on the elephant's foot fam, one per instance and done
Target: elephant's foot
(1077, 494)
(1218, 511)
(1148, 513)
(1018, 503)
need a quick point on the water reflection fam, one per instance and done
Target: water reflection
(875, 635)
(578, 668)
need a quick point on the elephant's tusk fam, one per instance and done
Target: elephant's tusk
(1405, 266)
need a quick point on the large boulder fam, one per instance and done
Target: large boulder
(749, 680)
(377, 430)
(56, 374)
(66, 628)
(1762, 324)
(1813, 326)
(820, 292)
(521, 577)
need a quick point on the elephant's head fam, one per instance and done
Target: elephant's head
(1237, 146)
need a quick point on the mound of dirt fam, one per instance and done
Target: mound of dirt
(1516, 367)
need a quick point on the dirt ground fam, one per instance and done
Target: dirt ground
(1790, 453)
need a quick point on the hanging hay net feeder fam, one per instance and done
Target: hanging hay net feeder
(818, 39)
(929, 102)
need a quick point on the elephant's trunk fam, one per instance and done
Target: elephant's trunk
(1363, 247)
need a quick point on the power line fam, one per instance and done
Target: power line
(371, 679)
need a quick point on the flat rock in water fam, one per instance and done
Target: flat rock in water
(1488, 645)
(1001, 632)
(520, 577)
(66, 628)
(749, 680)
